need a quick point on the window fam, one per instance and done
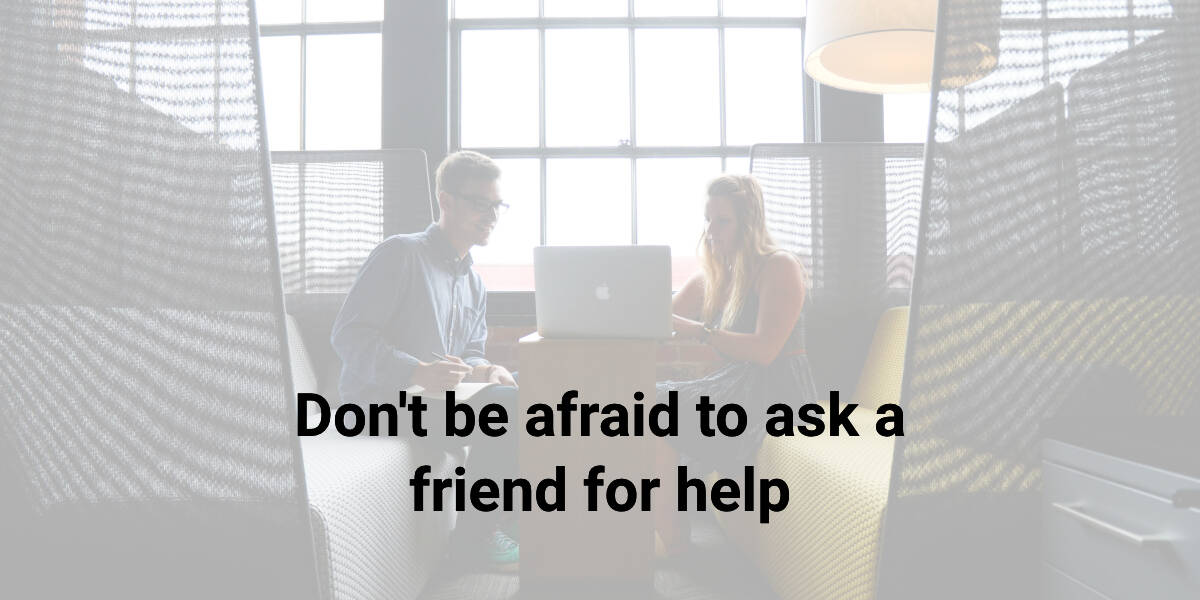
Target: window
(905, 117)
(1078, 35)
(322, 64)
(322, 73)
(1040, 43)
(608, 117)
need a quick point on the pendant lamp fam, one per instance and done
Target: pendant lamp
(887, 46)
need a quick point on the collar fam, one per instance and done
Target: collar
(444, 251)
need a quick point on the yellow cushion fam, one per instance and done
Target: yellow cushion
(883, 370)
(1149, 336)
(825, 545)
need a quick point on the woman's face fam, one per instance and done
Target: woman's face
(722, 225)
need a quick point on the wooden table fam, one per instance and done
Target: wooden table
(568, 553)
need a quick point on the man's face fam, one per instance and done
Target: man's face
(473, 209)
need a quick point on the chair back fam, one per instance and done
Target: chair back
(1059, 241)
(850, 211)
(146, 411)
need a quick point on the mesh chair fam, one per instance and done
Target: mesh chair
(850, 210)
(147, 441)
(825, 546)
(333, 209)
(1059, 239)
(145, 402)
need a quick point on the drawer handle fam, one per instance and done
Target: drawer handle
(1104, 526)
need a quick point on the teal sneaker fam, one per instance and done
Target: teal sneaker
(512, 528)
(504, 553)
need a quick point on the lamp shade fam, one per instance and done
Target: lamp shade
(886, 46)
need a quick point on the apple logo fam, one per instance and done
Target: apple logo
(602, 292)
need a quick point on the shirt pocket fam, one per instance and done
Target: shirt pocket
(464, 324)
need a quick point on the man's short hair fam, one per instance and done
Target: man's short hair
(463, 166)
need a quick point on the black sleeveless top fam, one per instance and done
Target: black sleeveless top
(755, 387)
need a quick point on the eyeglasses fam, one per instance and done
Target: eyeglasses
(481, 204)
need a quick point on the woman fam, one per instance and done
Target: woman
(745, 303)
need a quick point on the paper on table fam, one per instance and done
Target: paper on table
(462, 393)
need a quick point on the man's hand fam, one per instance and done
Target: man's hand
(441, 375)
(500, 375)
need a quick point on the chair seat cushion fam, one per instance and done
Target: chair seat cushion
(370, 543)
(825, 544)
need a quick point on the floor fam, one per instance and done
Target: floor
(715, 571)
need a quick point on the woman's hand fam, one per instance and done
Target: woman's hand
(686, 329)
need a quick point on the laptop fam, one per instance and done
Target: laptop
(603, 291)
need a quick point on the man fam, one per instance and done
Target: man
(416, 316)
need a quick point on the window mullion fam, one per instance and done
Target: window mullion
(456, 89)
(133, 48)
(633, 200)
(542, 198)
(303, 77)
(721, 83)
(541, 88)
(321, 28)
(301, 204)
(625, 22)
(217, 73)
(808, 95)
(542, 118)
(628, 149)
(1132, 30)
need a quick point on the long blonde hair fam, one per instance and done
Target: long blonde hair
(732, 278)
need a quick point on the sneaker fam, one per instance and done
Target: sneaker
(504, 553)
(512, 528)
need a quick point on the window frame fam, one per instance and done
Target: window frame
(303, 30)
(515, 308)
(632, 152)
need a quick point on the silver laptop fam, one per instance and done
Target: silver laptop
(603, 291)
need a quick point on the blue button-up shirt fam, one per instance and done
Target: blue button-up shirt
(413, 297)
